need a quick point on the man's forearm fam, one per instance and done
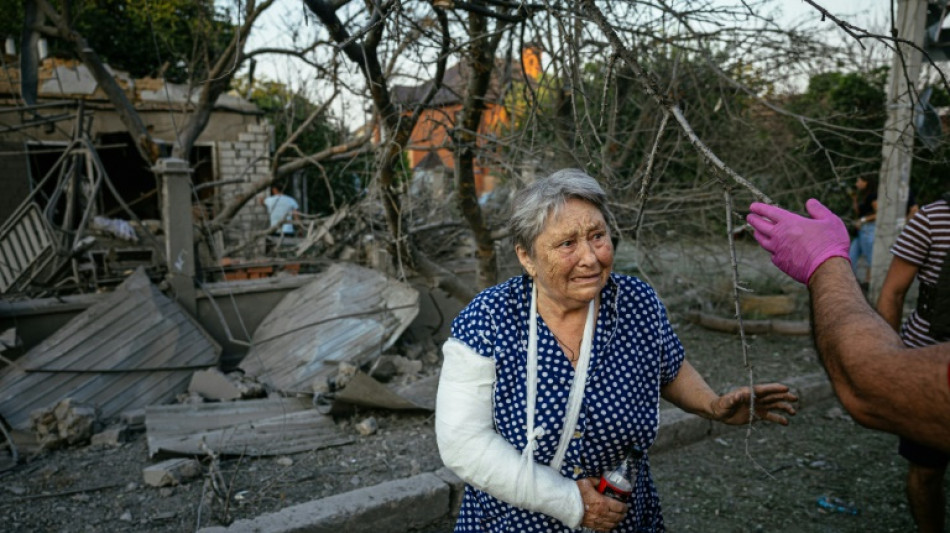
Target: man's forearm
(883, 384)
(843, 320)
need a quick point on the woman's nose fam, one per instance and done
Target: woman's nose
(586, 251)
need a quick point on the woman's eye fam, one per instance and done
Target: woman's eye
(566, 244)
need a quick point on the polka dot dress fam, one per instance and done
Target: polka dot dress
(635, 352)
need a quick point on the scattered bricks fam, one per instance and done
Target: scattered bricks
(259, 272)
(76, 424)
(43, 422)
(171, 472)
(113, 436)
(134, 419)
(213, 385)
(65, 423)
(235, 275)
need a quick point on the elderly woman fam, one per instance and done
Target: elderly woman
(554, 376)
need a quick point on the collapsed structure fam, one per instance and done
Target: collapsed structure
(116, 298)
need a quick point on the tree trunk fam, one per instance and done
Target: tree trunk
(481, 65)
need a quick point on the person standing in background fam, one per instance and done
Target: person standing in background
(920, 252)
(281, 208)
(864, 206)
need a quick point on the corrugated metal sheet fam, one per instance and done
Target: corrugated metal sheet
(274, 426)
(348, 313)
(132, 349)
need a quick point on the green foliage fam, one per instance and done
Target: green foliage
(849, 143)
(175, 38)
(329, 185)
(846, 115)
(11, 23)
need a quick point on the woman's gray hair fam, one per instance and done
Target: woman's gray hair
(544, 198)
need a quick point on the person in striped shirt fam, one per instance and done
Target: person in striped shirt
(880, 381)
(920, 252)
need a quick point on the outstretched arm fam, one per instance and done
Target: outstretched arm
(690, 392)
(883, 384)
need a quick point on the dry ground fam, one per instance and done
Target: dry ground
(769, 480)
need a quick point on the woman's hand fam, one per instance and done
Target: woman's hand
(770, 400)
(601, 513)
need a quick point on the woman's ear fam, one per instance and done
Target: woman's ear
(525, 259)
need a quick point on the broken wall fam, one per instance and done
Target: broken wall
(247, 159)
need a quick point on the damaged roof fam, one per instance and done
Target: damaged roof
(347, 314)
(134, 348)
(62, 79)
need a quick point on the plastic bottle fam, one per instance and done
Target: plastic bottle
(618, 482)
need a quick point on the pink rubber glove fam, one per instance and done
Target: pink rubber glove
(799, 245)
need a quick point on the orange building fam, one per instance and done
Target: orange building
(431, 133)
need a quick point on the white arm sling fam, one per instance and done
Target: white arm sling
(471, 447)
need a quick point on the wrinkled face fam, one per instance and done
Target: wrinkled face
(572, 258)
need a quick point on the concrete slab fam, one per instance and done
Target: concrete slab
(388, 507)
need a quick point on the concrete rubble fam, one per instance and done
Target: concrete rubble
(171, 472)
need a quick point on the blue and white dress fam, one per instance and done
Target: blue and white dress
(635, 352)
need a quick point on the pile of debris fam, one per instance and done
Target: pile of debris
(136, 361)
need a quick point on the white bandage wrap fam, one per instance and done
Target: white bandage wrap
(478, 455)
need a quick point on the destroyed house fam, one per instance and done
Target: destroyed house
(233, 149)
(430, 152)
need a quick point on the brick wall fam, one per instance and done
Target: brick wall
(246, 159)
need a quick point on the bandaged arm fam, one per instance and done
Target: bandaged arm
(471, 447)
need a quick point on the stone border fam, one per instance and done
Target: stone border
(417, 501)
